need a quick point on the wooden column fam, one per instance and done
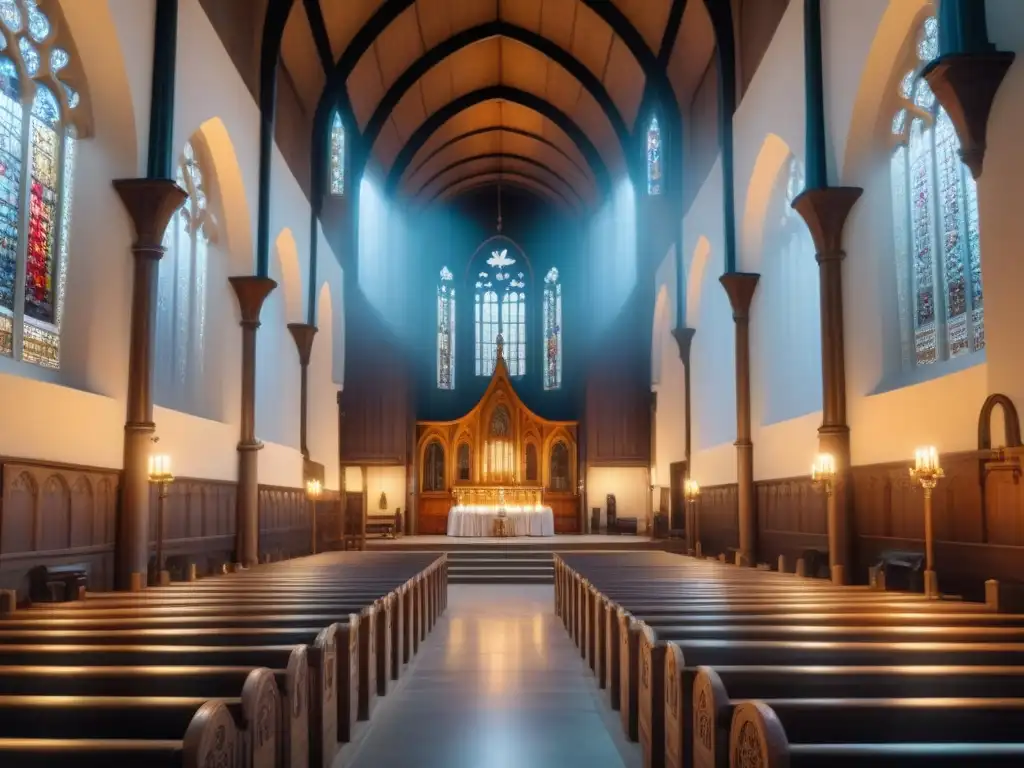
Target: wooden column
(966, 75)
(366, 506)
(150, 204)
(740, 287)
(684, 339)
(251, 292)
(303, 334)
(825, 211)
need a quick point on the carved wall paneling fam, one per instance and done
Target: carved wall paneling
(502, 416)
(718, 527)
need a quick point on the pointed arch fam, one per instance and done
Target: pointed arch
(771, 158)
(291, 275)
(695, 281)
(228, 189)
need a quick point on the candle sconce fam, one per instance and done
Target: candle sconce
(927, 471)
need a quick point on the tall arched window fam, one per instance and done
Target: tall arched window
(337, 155)
(935, 209)
(36, 136)
(654, 158)
(181, 294)
(445, 331)
(508, 318)
(552, 330)
(558, 474)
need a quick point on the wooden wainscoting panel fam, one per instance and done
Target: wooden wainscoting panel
(718, 509)
(565, 508)
(792, 517)
(56, 514)
(433, 512)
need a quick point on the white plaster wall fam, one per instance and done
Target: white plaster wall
(391, 482)
(78, 415)
(630, 486)
(890, 412)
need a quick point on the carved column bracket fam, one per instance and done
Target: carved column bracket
(825, 211)
(251, 292)
(684, 340)
(303, 333)
(966, 85)
(150, 204)
(740, 287)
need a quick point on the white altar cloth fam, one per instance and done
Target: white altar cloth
(519, 521)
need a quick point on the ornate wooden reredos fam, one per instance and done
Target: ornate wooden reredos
(500, 442)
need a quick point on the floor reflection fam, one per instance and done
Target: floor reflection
(498, 684)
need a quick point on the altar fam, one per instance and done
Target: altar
(500, 470)
(500, 511)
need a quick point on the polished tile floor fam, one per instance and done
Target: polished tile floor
(498, 684)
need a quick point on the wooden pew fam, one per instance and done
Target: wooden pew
(211, 739)
(189, 682)
(758, 738)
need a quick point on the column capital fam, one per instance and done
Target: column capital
(150, 204)
(684, 339)
(740, 287)
(303, 334)
(251, 292)
(965, 85)
(825, 211)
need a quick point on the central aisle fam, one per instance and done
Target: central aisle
(498, 684)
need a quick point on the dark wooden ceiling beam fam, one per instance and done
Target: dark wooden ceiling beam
(497, 129)
(668, 37)
(503, 174)
(499, 92)
(418, 69)
(500, 156)
(315, 15)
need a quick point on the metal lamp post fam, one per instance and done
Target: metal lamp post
(313, 490)
(691, 493)
(823, 473)
(928, 472)
(160, 475)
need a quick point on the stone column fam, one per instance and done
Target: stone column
(740, 287)
(251, 292)
(303, 334)
(150, 204)
(825, 211)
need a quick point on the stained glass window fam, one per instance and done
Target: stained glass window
(935, 223)
(552, 330)
(35, 222)
(500, 306)
(445, 331)
(654, 157)
(181, 294)
(337, 156)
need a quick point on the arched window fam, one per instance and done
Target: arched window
(433, 467)
(37, 151)
(181, 294)
(337, 155)
(559, 480)
(935, 209)
(552, 330)
(508, 318)
(463, 459)
(445, 331)
(654, 157)
(531, 463)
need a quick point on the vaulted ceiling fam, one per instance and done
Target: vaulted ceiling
(451, 95)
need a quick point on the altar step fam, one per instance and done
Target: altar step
(500, 567)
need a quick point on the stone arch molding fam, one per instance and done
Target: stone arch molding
(695, 280)
(772, 159)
